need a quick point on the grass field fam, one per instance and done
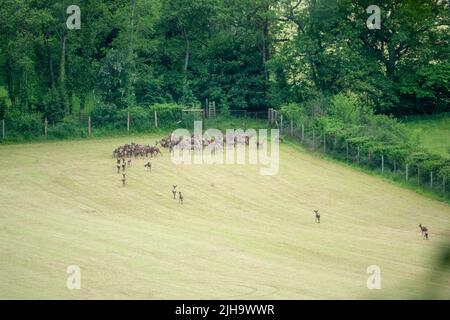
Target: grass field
(238, 234)
(434, 133)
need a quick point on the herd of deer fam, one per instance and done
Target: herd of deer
(136, 150)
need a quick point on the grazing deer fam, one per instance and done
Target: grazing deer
(317, 216)
(181, 197)
(424, 231)
(174, 192)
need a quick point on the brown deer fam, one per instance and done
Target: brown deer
(180, 197)
(124, 179)
(424, 231)
(317, 216)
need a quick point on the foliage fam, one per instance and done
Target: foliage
(26, 125)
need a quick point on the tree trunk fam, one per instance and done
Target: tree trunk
(390, 61)
(264, 49)
(187, 51)
(82, 106)
(49, 61)
(62, 76)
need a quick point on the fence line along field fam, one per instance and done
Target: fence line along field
(237, 235)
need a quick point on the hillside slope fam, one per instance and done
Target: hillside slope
(238, 234)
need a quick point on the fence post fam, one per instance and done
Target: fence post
(346, 148)
(281, 123)
(382, 163)
(324, 143)
(292, 128)
(303, 132)
(443, 183)
(89, 125)
(156, 119)
(128, 121)
(407, 172)
(431, 179)
(358, 154)
(3, 129)
(45, 127)
(418, 175)
(314, 139)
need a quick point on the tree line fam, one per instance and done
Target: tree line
(244, 54)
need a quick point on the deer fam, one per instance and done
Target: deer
(317, 216)
(180, 197)
(424, 231)
(174, 191)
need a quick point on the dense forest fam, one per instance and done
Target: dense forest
(244, 54)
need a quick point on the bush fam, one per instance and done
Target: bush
(105, 116)
(68, 128)
(26, 125)
(168, 113)
(139, 117)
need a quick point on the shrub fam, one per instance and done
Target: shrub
(139, 117)
(26, 125)
(68, 128)
(168, 113)
(105, 116)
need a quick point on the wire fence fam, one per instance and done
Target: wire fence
(315, 140)
(312, 138)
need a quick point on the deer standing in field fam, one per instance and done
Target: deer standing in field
(424, 231)
(174, 192)
(317, 216)
(181, 197)
(124, 179)
(118, 166)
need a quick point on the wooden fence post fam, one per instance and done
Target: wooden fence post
(292, 128)
(3, 129)
(46, 127)
(346, 147)
(443, 184)
(89, 125)
(431, 179)
(324, 143)
(156, 119)
(382, 163)
(314, 139)
(418, 175)
(281, 123)
(407, 172)
(358, 154)
(128, 121)
(303, 132)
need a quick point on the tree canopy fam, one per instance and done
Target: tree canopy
(244, 54)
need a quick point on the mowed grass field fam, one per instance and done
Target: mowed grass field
(239, 235)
